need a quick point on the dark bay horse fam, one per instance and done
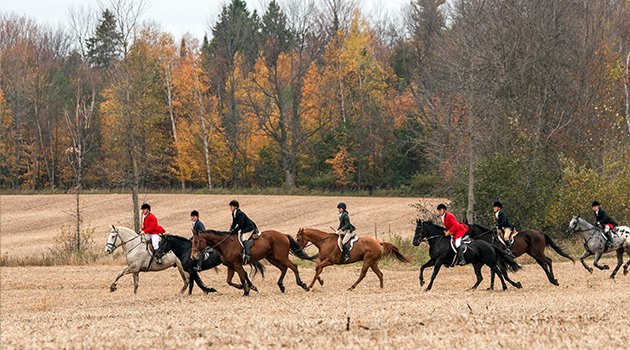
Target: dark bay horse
(478, 253)
(532, 242)
(272, 245)
(182, 248)
(366, 249)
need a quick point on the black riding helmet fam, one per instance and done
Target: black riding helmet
(595, 204)
(194, 213)
(342, 205)
(145, 206)
(442, 206)
(234, 203)
(498, 205)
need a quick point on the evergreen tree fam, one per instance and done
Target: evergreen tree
(276, 36)
(104, 47)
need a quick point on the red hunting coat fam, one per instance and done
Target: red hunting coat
(150, 225)
(458, 230)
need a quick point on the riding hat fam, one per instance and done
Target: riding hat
(145, 206)
(341, 205)
(234, 203)
(498, 205)
(595, 204)
(194, 213)
(442, 206)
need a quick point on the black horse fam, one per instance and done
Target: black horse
(532, 242)
(182, 248)
(478, 253)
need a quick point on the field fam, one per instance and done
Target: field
(28, 223)
(71, 307)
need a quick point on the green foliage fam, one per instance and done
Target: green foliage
(104, 47)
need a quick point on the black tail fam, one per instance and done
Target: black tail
(506, 261)
(298, 251)
(550, 243)
(258, 267)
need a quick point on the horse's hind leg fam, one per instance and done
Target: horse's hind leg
(498, 272)
(507, 278)
(136, 279)
(113, 287)
(200, 284)
(492, 275)
(364, 269)
(477, 267)
(550, 266)
(377, 271)
(283, 272)
(625, 267)
(619, 262)
(318, 270)
(544, 265)
(288, 263)
(585, 255)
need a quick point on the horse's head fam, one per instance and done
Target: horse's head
(112, 238)
(419, 234)
(165, 246)
(301, 238)
(573, 224)
(198, 244)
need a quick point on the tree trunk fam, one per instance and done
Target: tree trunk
(169, 100)
(135, 187)
(471, 174)
(204, 137)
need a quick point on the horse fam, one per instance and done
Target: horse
(532, 242)
(366, 249)
(595, 244)
(478, 253)
(271, 245)
(139, 258)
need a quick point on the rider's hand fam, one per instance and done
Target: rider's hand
(448, 233)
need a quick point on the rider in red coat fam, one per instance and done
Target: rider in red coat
(151, 228)
(458, 230)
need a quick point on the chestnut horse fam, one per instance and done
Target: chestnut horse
(272, 245)
(366, 249)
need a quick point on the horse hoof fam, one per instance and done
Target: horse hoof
(282, 289)
(254, 289)
(591, 271)
(211, 290)
(112, 289)
(555, 283)
(625, 272)
(351, 288)
(427, 289)
(520, 286)
(421, 283)
(605, 267)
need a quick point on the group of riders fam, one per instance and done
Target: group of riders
(246, 229)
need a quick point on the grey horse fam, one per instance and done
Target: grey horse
(595, 244)
(139, 259)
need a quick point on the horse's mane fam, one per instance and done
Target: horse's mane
(179, 238)
(221, 233)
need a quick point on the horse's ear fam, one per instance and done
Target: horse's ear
(113, 227)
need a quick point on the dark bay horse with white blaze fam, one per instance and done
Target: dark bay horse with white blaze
(272, 245)
(478, 253)
(532, 242)
(366, 249)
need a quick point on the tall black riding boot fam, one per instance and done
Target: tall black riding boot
(460, 252)
(247, 247)
(508, 248)
(345, 257)
(609, 241)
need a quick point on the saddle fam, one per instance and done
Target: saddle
(466, 240)
(350, 244)
(257, 234)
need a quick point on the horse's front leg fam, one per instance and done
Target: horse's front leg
(318, 270)
(184, 275)
(136, 280)
(585, 255)
(429, 263)
(244, 279)
(230, 277)
(596, 262)
(436, 269)
(113, 287)
(620, 252)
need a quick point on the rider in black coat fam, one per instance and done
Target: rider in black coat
(244, 227)
(604, 221)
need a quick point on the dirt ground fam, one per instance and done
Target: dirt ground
(28, 223)
(71, 307)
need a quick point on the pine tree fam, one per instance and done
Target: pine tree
(104, 47)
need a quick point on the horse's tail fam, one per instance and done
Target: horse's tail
(558, 249)
(506, 261)
(390, 249)
(258, 267)
(298, 251)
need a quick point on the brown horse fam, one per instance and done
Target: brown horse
(366, 249)
(532, 242)
(272, 245)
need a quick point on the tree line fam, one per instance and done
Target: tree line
(524, 101)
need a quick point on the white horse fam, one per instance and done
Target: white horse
(139, 257)
(595, 244)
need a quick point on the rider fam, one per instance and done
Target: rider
(458, 230)
(345, 231)
(244, 227)
(197, 225)
(504, 227)
(604, 221)
(151, 228)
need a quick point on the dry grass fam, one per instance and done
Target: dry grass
(29, 223)
(71, 307)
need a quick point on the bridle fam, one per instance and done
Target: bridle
(113, 245)
(575, 229)
(427, 238)
(208, 247)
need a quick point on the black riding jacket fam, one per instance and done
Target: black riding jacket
(241, 222)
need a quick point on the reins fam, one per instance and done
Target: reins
(114, 246)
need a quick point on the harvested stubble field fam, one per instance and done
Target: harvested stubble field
(71, 307)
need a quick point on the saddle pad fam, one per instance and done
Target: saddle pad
(465, 242)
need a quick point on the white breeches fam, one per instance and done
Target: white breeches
(155, 241)
(458, 242)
